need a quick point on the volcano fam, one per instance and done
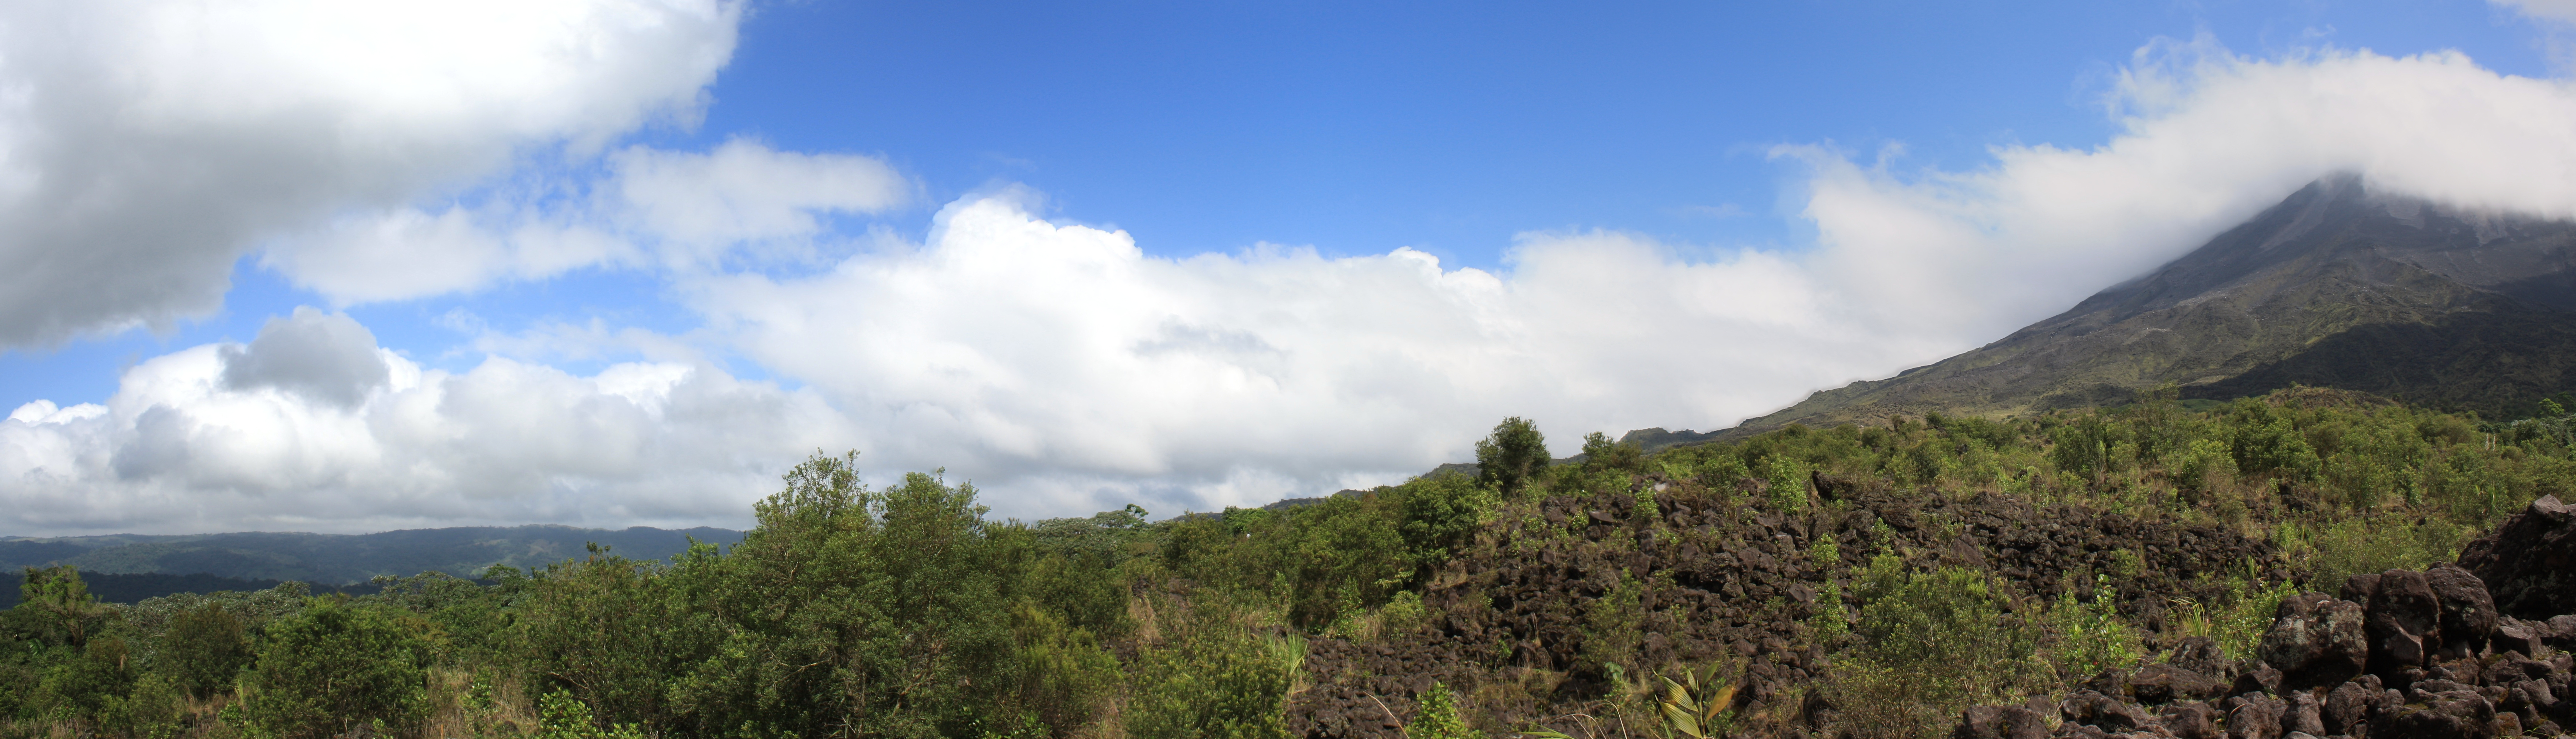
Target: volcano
(2338, 286)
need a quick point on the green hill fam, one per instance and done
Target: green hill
(339, 559)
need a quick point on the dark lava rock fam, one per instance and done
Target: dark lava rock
(2255, 717)
(2007, 722)
(2347, 706)
(2305, 714)
(2516, 635)
(2166, 683)
(2200, 654)
(2529, 562)
(2089, 708)
(2404, 616)
(2191, 721)
(2457, 714)
(2316, 641)
(2468, 612)
(2361, 588)
(2261, 678)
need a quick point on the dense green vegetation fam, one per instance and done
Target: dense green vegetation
(905, 610)
(138, 566)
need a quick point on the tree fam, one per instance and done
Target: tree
(1511, 456)
(1602, 453)
(333, 667)
(59, 591)
(852, 611)
(1440, 513)
(205, 647)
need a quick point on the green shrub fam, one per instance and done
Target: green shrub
(1600, 451)
(1788, 479)
(1066, 675)
(204, 648)
(561, 716)
(1613, 626)
(1439, 718)
(1441, 513)
(333, 667)
(2202, 466)
(1212, 678)
(1936, 642)
(2089, 635)
(2378, 544)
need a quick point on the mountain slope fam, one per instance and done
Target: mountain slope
(334, 559)
(2336, 287)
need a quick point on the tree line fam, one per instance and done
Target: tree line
(907, 611)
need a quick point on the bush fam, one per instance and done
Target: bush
(561, 716)
(1212, 678)
(1788, 480)
(2090, 637)
(1439, 718)
(2203, 466)
(1613, 626)
(2378, 544)
(1937, 642)
(334, 667)
(1440, 513)
(204, 648)
(1600, 451)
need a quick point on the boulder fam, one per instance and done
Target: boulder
(2165, 683)
(2360, 588)
(2468, 611)
(2004, 722)
(2316, 641)
(2516, 635)
(2348, 707)
(2404, 616)
(2089, 708)
(2254, 716)
(2191, 720)
(2262, 677)
(2304, 715)
(2456, 714)
(2559, 630)
(2529, 562)
(2200, 654)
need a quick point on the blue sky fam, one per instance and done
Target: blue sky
(983, 236)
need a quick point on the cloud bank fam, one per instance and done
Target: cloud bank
(1061, 367)
(312, 426)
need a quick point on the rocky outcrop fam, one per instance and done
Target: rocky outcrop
(2529, 562)
(2317, 640)
(1720, 578)
(2451, 652)
(2403, 654)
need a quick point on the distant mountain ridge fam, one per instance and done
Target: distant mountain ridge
(343, 559)
(2336, 286)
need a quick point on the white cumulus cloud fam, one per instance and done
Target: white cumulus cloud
(682, 211)
(1064, 366)
(312, 427)
(145, 145)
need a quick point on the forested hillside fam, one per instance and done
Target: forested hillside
(343, 559)
(1872, 581)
